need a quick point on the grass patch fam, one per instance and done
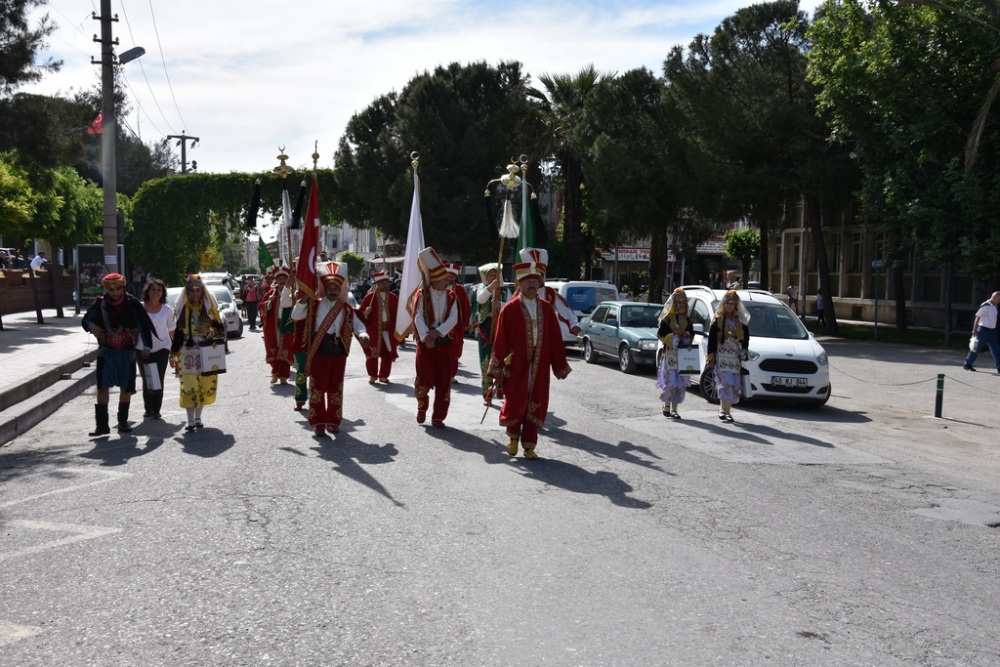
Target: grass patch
(888, 334)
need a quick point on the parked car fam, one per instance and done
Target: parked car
(623, 330)
(582, 296)
(229, 307)
(785, 360)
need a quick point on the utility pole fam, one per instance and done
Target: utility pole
(182, 142)
(108, 131)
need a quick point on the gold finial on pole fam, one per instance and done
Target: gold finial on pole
(283, 169)
(315, 155)
(414, 159)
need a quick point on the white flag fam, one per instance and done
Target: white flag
(410, 280)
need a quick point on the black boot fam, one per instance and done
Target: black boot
(101, 416)
(156, 402)
(123, 426)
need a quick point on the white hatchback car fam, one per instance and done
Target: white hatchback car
(785, 360)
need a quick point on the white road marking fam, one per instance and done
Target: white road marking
(80, 533)
(11, 632)
(108, 476)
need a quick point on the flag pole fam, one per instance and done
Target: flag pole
(284, 170)
(508, 227)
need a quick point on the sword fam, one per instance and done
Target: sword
(493, 387)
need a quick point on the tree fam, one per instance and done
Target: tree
(743, 245)
(355, 262)
(463, 121)
(633, 168)
(869, 58)
(559, 138)
(20, 44)
(750, 114)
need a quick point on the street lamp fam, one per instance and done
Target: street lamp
(108, 130)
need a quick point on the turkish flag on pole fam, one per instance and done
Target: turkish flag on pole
(305, 268)
(97, 126)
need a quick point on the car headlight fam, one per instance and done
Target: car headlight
(647, 344)
(753, 356)
(822, 359)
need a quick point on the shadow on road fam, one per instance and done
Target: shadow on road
(573, 478)
(205, 442)
(119, 451)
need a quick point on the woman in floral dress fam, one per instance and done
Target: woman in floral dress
(674, 331)
(728, 346)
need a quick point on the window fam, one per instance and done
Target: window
(796, 251)
(857, 252)
(599, 315)
(700, 313)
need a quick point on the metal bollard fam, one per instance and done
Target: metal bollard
(939, 398)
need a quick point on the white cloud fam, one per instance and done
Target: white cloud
(251, 76)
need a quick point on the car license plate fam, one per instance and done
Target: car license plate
(790, 382)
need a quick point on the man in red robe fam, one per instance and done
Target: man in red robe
(435, 314)
(527, 344)
(279, 330)
(334, 324)
(378, 312)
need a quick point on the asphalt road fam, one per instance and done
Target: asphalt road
(861, 533)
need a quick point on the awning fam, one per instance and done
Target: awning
(387, 260)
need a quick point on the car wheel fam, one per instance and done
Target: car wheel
(589, 355)
(239, 331)
(625, 361)
(707, 386)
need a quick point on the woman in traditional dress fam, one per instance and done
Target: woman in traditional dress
(674, 331)
(198, 324)
(728, 346)
(154, 300)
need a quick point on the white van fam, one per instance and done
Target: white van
(582, 297)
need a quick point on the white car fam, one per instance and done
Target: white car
(228, 307)
(785, 361)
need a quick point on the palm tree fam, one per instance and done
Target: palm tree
(560, 106)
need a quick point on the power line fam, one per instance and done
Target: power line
(148, 85)
(164, 61)
(139, 105)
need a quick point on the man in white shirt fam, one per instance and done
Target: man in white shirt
(985, 327)
(38, 261)
(435, 314)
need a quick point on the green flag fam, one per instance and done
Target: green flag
(264, 259)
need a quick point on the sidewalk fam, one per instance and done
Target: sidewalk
(41, 367)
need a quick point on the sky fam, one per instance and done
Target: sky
(249, 77)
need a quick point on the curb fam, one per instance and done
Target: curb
(28, 404)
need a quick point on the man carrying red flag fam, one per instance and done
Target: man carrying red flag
(527, 344)
(378, 312)
(336, 324)
(305, 282)
(435, 314)
(279, 331)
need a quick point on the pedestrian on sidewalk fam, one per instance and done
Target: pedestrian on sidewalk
(792, 292)
(820, 316)
(154, 300)
(117, 320)
(198, 323)
(675, 330)
(251, 297)
(984, 327)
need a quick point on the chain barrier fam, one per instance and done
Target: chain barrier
(909, 384)
(882, 384)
